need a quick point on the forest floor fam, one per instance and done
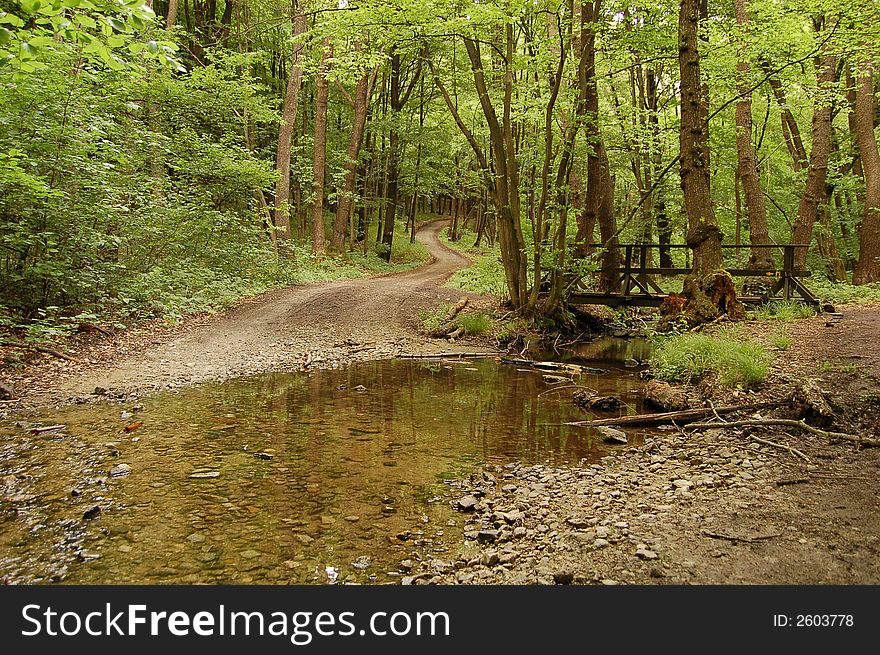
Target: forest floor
(712, 506)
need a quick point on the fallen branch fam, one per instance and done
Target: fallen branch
(748, 540)
(790, 423)
(42, 349)
(447, 325)
(683, 416)
(793, 451)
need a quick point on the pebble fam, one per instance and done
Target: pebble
(120, 471)
(563, 577)
(466, 504)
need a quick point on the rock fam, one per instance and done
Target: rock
(563, 577)
(611, 435)
(604, 403)
(202, 475)
(466, 504)
(406, 565)
(304, 539)
(352, 518)
(602, 532)
(360, 388)
(120, 471)
(100, 391)
(646, 554)
(125, 415)
(6, 392)
(630, 362)
(487, 536)
(250, 554)
(600, 543)
(555, 379)
(578, 523)
(92, 513)
(519, 531)
(509, 488)
(664, 397)
(490, 558)
(265, 456)
(439, 566)
(363, 562)
(508, 557)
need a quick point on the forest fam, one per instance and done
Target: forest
(168, 157)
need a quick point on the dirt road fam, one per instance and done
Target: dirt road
(322, 325)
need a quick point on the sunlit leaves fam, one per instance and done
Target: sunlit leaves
(102, 30)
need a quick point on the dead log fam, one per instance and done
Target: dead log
(447, 325)
(684, 416)
(789, 423)
(41, 349)
(813, 405)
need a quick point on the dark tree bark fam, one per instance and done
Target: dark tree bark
(320, 151)
(815, 190)
(759, 234)
(288, 124)
(345, 202)
(868, 267)
(708, 290)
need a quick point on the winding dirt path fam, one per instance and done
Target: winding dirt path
(323, 325)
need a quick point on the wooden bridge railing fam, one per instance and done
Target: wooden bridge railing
(635, 284)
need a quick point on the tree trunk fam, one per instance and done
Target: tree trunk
(320, 151)
(759, 234)
(599, 192)
(868, 267)
(708, 291)
(815, 189)
(171, 18)
(288, 124)
(346, 200)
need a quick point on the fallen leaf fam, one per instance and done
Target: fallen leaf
(131, 427)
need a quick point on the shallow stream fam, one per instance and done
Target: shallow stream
(325, 476)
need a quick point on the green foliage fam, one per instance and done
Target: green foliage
(782, 310)
(689, 358)
(485, 275)
(842, 293)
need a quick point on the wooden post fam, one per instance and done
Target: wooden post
(627, 271)
(787, 270)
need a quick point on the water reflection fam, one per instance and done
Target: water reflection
(280, 477)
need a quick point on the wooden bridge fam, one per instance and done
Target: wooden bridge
(635, 285)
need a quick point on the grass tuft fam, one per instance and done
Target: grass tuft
(689, 358)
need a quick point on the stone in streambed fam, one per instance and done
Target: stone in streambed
(610, 435)
(466, 504)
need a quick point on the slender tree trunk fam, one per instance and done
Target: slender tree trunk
(320, 151)
(815, 190)
(288, 124)
(171, 18)
(759, 234)
(868, 267)
(790, 131)
(599, 194)
(346, 199)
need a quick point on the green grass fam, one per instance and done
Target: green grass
(432, 318)
(783, 310)
(780, 340)
(838, 367)
(689, 358)
(476, 323)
